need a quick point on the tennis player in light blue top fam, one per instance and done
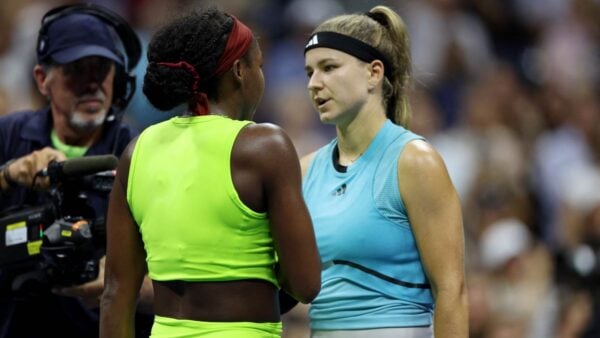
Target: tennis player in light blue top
(387, 218)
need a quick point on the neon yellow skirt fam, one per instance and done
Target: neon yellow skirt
(165, 327)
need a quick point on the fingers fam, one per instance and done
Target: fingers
(23, 170)
(88, 293)
(89, 296)
(88, 290)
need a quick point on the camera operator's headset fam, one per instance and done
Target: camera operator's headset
(124, 85)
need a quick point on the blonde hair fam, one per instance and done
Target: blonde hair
(383, 29)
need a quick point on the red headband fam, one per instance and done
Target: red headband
(238, 43)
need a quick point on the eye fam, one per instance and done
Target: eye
(329, 68)
(309, 74)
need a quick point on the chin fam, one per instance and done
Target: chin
(86, 122)
(327, 118)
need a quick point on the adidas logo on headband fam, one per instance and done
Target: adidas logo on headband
(349, 45)
(313, 41)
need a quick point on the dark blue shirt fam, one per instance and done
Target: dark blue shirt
(49, 315)
(22, 133)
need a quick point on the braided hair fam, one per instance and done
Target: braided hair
(199, 38)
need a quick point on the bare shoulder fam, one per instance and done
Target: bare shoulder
(423, 174)
(265, 142)
(420, 158)
(265, 135)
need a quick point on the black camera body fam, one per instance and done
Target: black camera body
(41, 251)
(58, 243)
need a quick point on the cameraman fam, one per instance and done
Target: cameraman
(79, 66)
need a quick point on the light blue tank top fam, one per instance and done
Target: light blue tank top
(372, 273)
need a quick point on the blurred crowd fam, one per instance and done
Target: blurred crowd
(507, 91)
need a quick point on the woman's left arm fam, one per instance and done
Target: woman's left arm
(125, 260)
(435, 215)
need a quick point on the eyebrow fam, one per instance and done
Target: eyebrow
(322, 61)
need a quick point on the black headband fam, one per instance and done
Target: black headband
(349, 45)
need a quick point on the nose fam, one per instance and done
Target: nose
(83, 84)
(90, 80)
(94, 77)
(92, 86)
(315, 82)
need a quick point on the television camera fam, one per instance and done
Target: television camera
(58, 243)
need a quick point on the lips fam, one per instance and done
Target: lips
(93, 103)
(89, 99)
(320, 101)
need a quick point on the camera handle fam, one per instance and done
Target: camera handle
(38, 277)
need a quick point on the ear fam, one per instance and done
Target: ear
(238, 72)
(376, 73)
(40, 76)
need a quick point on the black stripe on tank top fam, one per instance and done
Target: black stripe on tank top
(381, 276)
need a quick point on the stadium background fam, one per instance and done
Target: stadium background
(508, 92)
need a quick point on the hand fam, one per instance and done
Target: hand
(89, 293)
(23, 170)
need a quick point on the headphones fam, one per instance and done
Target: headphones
(124, 85)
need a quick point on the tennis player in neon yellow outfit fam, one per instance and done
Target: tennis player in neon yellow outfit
(208, 204)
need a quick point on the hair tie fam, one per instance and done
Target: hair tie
(375, 16)
(186, 66)
(199, 104)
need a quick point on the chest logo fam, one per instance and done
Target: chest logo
(340, 191)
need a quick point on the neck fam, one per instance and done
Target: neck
(355, 137)
(228, 101)
(224, 109)
(72, 138)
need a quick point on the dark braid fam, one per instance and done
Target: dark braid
(198, 38)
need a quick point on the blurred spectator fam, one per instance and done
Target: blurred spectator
(17, 58)
(578, 263)
(522, 296)
(576, 122)
(510, 36)
(570, 50)
(284, 59)
(575, 316)
(295, 112)
(479, 307)
(450, 47)
(148, 15)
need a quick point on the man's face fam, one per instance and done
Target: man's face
(80, 92)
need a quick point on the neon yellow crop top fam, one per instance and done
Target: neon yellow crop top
(193, 223)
